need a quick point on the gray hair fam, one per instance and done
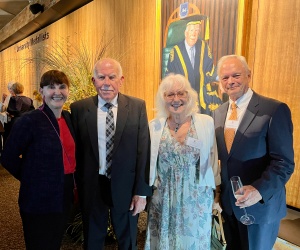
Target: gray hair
(166, 84)
(240, 58)
(10, 84)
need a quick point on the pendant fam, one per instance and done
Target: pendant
(176, 128)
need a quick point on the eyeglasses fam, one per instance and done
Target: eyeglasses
(180, 94)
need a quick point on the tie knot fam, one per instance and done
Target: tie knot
(192, 52)
(233, 105)
(108, 105)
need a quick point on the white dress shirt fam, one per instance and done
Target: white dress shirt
(189, 51)
(242, 104)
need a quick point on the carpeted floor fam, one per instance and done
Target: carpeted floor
(11, 226)
(11, 233)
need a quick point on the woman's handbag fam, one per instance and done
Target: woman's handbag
(218, 241)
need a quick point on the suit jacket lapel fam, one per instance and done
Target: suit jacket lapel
(121, 119)
(197, 57)
(249, 115)
(223, 113)
(91, 123)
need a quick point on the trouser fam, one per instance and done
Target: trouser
(46, 231)
(124, 224)
(252, 237)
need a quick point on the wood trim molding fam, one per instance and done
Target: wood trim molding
(27, 23)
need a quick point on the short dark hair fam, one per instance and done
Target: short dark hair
(52, 77)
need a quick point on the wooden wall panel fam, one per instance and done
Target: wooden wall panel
(130, 27)
(274, 57)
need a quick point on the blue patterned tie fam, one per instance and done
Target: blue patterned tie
(110, 131)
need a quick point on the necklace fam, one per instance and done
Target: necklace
(177, 125)
(176, 128)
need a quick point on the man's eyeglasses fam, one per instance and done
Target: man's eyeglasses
(180, 94)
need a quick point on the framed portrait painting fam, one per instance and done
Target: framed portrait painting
(195, 35)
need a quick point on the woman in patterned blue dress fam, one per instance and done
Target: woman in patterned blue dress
(183, 168)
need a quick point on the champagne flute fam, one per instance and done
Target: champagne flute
(238, 191)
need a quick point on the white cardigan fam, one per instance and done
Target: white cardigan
(209, 169)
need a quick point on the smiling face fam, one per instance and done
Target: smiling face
(192, 34)
(234, 77)
(176, 99)
(55, 95)
(107, 79)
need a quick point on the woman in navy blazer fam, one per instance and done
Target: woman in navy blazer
(40, 153)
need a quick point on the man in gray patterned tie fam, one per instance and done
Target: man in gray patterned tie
(110, 132)
(112, 157)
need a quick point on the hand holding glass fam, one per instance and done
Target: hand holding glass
(238, 191)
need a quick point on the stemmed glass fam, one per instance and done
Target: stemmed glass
(238, 191)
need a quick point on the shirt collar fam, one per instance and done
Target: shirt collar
(243, 100)
(188, 47)
(102, 102)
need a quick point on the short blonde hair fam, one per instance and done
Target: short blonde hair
(166, 84)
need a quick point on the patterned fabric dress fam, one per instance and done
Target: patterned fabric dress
(179, 216)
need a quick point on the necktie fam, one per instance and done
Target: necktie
(230, 132)
(192, 56)
(110, 131)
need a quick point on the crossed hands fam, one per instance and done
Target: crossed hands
(137, 204)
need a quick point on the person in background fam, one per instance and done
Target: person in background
(193, 59)
(183, 168)
(261, 154)
(40, 153)
(3, 113)
(6, 97)
(18, 104)
(112, 138)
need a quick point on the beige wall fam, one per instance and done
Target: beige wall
(128, 26)
(274, 57)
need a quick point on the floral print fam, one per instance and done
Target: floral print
(179, 216)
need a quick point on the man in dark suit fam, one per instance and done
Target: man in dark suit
(121, 189)
(261, 154)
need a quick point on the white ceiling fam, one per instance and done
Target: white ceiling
(9, 9)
